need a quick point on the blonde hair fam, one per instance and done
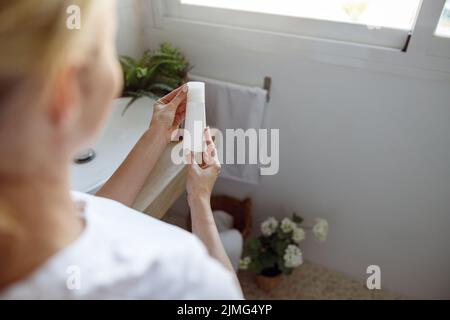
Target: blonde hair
(35, 39)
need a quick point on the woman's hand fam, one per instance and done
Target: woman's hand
(200, 183)
(201, 178)
(169, 112)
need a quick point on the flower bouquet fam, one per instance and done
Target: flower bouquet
(277, 250)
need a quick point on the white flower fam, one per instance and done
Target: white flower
(320, 229)
(292, 256)
(269, 226)
(244, 263)
(287, 225)
(298, 235)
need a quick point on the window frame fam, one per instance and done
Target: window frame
(423, 56)
(439, 46)
(297, 26)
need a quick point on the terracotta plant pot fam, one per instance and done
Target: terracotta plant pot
(268, 283)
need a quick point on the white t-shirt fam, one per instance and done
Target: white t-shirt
(124, 254)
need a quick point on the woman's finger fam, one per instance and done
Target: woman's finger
(181, 110)
(197, 168)
(179, 99)
(182, 106)
(208, 137)
(187, 156)
(207, 160)
(211, 146)
(210, 150)
(169, 97)
(178, 120)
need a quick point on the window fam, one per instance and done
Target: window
(397, 14)
(409, 37)
(385, 23)
(443, 29)
(439, 46)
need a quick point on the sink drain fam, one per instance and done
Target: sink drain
(85, 156)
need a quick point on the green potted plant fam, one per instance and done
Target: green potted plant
(155, 74)
(277, 250)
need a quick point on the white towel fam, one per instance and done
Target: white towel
(233, 243)
(232, 106)
(231, 238)
(223, 220)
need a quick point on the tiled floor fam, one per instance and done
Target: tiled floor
(307, 282)
(313, 282)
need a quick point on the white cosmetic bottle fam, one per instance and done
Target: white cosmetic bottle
(195, 122)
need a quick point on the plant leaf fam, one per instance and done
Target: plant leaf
(161, 86)
(156, 73)
(141, 72)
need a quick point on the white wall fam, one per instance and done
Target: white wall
(130, 31)
(368, 150)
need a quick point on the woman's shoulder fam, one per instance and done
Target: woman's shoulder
(118, 222)
(154, 259)
(125, 254)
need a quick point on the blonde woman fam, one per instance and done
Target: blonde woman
(56, 86)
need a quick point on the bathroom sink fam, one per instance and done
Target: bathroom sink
(167, 181)
(116, 140)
